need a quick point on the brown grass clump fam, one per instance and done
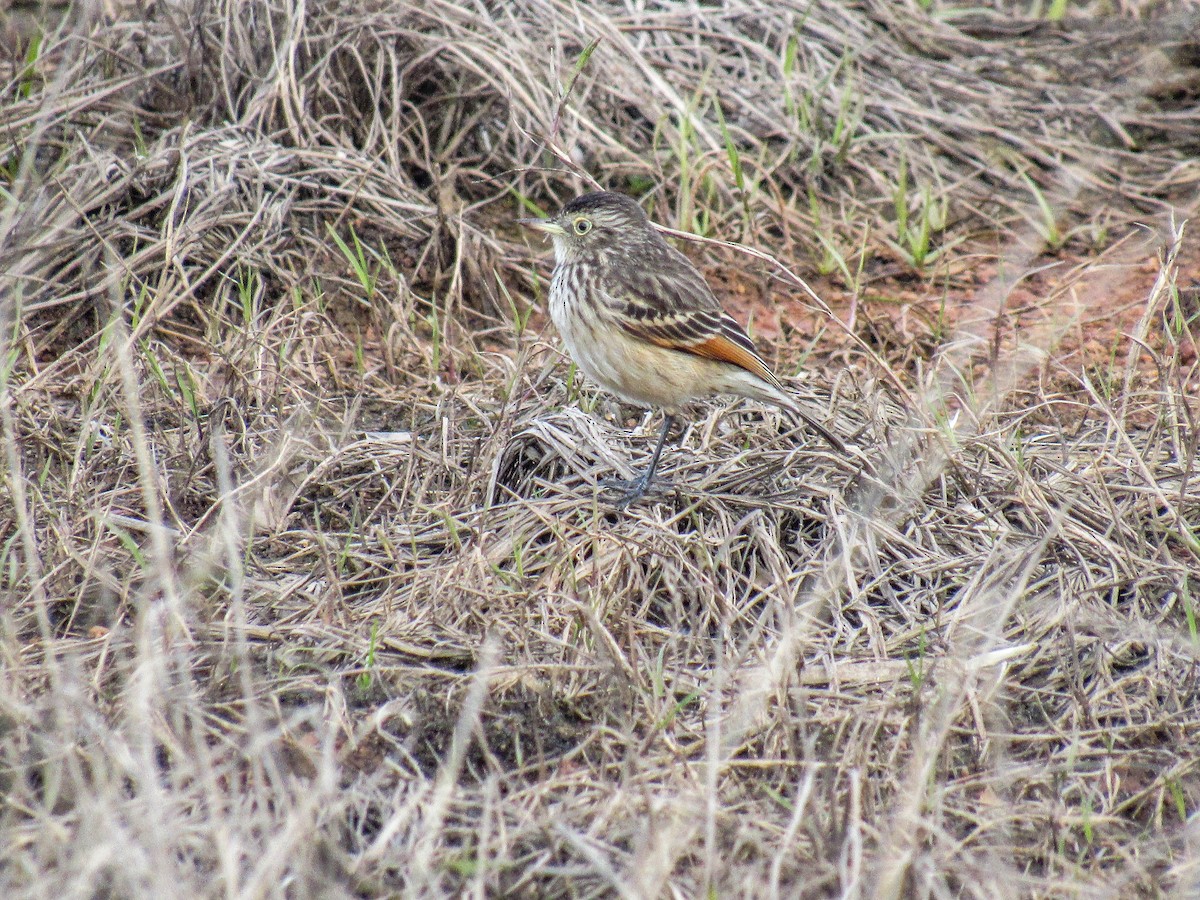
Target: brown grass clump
(309, 585)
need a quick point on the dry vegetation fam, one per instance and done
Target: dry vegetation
(309, 588)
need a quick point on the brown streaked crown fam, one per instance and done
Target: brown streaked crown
(612, 221)
(616, 207)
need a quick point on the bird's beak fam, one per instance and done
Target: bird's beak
(547, 225)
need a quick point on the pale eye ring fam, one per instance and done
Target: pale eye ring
(583, 226)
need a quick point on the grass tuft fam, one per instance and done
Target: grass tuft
(309, 584)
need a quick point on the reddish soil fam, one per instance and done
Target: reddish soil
(1081, 308)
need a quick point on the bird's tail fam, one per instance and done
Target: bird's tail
(779, 396)
(792, 409)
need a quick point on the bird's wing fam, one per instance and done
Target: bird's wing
(681, 313)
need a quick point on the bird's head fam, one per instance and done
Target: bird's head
(595, 224)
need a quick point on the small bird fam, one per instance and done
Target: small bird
(640, 320)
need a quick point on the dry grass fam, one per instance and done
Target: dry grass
(309, 585)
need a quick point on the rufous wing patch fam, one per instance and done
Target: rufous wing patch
(716, 346)
(722, 348)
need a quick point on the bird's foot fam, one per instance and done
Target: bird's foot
(631, 490)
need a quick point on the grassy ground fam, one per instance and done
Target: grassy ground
(309, 585)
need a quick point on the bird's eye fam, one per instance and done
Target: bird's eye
(583, 226)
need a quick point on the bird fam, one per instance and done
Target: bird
(640, 321)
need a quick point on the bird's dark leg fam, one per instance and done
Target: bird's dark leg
(636, 488)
